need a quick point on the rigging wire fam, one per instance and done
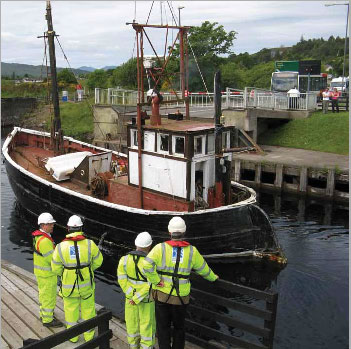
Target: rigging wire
(171, 9)
(90, 105)
(197, 64)
(150, 12)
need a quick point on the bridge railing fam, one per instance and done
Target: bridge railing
(260, 98)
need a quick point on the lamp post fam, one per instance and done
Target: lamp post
(347, 23)
(179, 8)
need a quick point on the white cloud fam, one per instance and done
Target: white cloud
(95, 32)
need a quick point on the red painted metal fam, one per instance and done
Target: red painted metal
(155, 119)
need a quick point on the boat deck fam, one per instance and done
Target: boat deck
(20, 313)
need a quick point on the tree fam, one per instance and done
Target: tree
(232, 75)
(66, 76)
(97, 79)
(125, 75)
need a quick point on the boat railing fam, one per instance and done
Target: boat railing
(251, 312)
(102, 340)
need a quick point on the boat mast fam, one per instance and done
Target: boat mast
(218, 139)
(56, 132)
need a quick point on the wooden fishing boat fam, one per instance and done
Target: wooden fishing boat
(173, 167)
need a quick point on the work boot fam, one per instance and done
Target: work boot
(53, 323)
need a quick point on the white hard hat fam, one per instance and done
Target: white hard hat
(74, 221)
(176, 225)
(45, 218)
(143, 239)
(150, 93)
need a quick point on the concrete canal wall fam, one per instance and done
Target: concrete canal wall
(13, 109)
(298, 171)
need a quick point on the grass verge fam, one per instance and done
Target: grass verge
(322, 132)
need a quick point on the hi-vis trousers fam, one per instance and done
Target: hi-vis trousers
(47, 287)
(87, 308)
(141, 324)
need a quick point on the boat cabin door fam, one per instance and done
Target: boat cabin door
(200, 184)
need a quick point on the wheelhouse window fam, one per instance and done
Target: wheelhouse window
(134, 138)
(199, 145)
(210, 143)
(178, 145)
(226, 140)
(163, 143)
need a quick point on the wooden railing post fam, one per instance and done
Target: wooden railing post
(270, 324)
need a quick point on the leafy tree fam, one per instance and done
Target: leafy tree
(125, 75)
(233, 75)
(66, 76)
(97, 79)
(260, 75)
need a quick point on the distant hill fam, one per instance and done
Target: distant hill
(90, 69)
(35, 71)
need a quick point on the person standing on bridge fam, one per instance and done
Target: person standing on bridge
(335, 100)
(139, 304)
(325, 95)
(168, 268)
(43, 246)
(75, 260)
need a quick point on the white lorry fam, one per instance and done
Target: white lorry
(341, 84)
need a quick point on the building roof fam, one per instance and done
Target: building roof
(180, 126)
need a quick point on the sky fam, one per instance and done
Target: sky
(95, 34)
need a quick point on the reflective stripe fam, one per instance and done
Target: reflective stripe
(98, 255)
(147, 339)
(71, 323)
(125, 264)
(42, 268)
(133, 335)
(163, 245)
(149, 270)
(138, 295)
(181, 281)
(190, 257)
(46, 316)
(207, 274)
(121, 277)
(145, 346)
(171, 269)
(150, 260)
(84, 265)
(60, 253)
(89, 250)
(130, 288)
(48, 253)
(57, 263)
(136, 282)
(80, 285)
(47, 310)
(133, 345)
(201, 268)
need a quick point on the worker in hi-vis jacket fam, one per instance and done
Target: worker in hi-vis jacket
(139, 305)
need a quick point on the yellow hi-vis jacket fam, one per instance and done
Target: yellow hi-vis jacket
(43, 246)
(131, 278)
(160, 264)
(76, 271)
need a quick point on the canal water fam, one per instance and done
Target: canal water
(313, 288)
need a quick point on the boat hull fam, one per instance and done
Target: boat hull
(234, 229)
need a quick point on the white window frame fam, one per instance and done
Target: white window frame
(203, 145)
(134, 138)
(174, 146)
(226, 146)
(211, 135)
(159, 150)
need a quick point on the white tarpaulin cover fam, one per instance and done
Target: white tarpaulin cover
(63, 165)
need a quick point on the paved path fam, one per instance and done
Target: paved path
(298, 157)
